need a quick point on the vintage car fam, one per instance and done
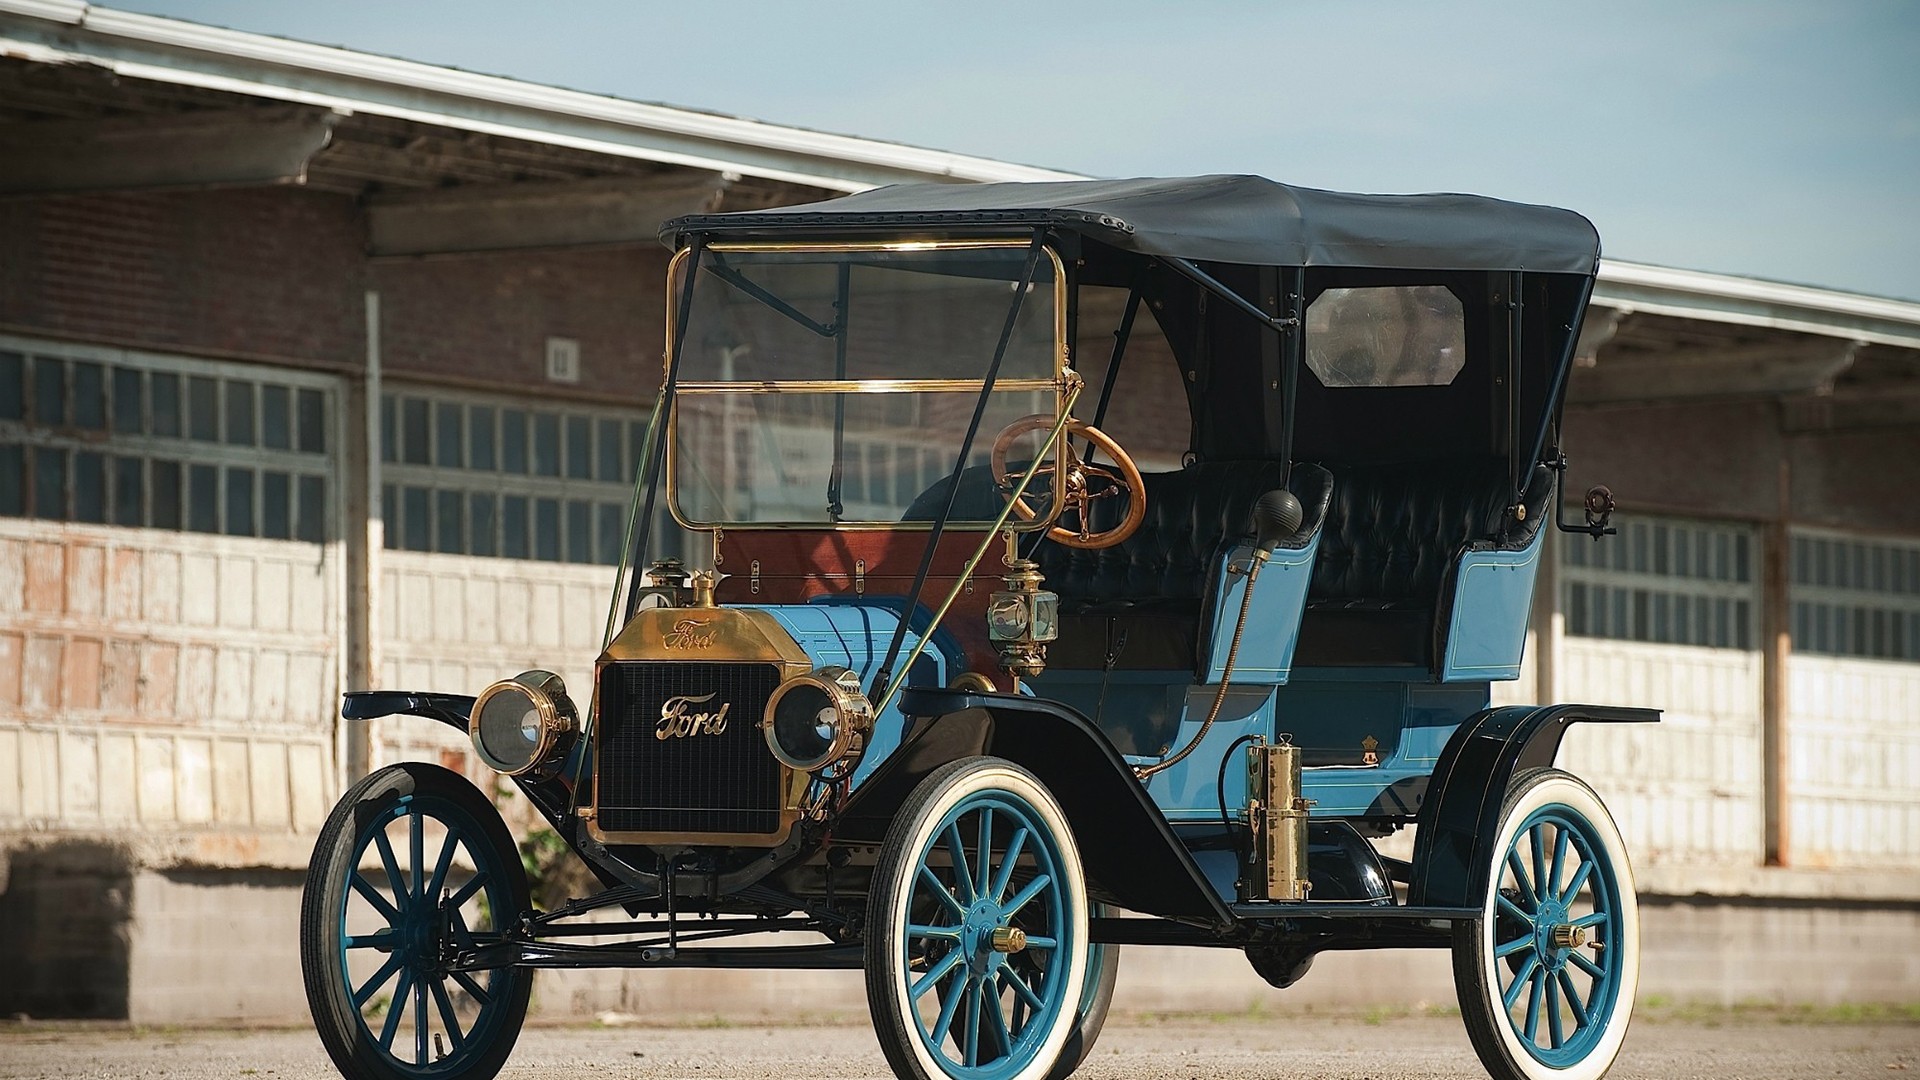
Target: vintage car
(971, 713)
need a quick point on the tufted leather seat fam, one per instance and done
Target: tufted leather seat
(1387, 554)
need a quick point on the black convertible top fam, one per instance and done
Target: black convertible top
(1224, 219)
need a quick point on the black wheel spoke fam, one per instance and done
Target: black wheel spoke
(472, 986)
(416, 850)
(474, 884)
(372, 894)
(419, 1021)
(448, 1019)
(392, 865)
(442, 864)
(395, 1007)
(374, 983)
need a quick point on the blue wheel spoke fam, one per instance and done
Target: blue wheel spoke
(416, 849)
(990, 1002)
(1521, 881)
(1556, 1036)
(442, 865)
(1534, 989)
(985, 851)
(394, 1008)
(1523, 977)
(1560, 837)
(1573, 1000)
(1021, 990)
(940, 891)
(1514, 909)
(971, 1049)
(934, 974)
(1019, 900)
(474, 884)
(945, 933)
(372, 894)
(1041, 941)
(472, 987)
(392, 865)
(419, 1019)
(1001, 880)
(367, 988)
(447, 1018)
(1594, 919)
(1508, 948)
(1580, 877)
(949, 1007)
(1580, 961)
(962, 870)
(1537, 840)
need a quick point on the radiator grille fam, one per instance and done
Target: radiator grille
(711, 782)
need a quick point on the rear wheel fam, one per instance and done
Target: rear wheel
(412, 860)
(977, 950)
(1546, 976)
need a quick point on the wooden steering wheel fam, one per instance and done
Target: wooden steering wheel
(1085, 482)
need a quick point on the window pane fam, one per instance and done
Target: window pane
(313, 422)
(579, 448)
(49, 392)
(203, 505)
(609, 440)
(546, 529)
(126, 401)
(166, 495)
(414, 534)
(240, 413)
(313, 509)
(89, 396)
(276, 417)
(389, 430)
(13, 480)
(13, 390)
(481, 524)
(390, 516)
(276, 505)
(413, 431)
(513, 527)
(203, 416)
(579, 531)
(240, 502)
(447, 436)
(165, 387)
(513, 441)
(49, 484)
(546, 445)
(449, 523)
(90, 487)
(480, 424)
(613, 532)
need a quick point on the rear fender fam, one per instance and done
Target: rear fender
(1453, 848)
(1132, 857)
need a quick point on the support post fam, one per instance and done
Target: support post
(1776, 649)
(365, 535)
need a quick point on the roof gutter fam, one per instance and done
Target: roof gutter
(1725, 298)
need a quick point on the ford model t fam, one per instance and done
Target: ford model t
(962, 697)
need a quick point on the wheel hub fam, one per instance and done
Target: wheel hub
(986, 939)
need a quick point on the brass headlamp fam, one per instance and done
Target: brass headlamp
(525, 724)
(816, 720)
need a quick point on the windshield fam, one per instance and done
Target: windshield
(834, 387)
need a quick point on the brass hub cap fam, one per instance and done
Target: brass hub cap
(1008, 939)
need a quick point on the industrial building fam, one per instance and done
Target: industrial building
(322, 370)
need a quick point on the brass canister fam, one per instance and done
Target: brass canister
(1280, 820)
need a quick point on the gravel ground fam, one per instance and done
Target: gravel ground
(1274, 1047)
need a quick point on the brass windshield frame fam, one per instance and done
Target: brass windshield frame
(1060, 382)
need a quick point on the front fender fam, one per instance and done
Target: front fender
(1131, 855)
(1453, 849)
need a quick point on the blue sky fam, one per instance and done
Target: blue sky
(1769, 138)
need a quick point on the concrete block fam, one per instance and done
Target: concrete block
(236, 592)
(199, 590)
(124, 587)
(86, 579)
(64, 914)
(13, 647)
(232, 800)
(193, 776)
(268, 769)
(39, 774)
(79, 775)
(80, 675)
(10, 805)
(119, 777)
(154, 760)
(46, 589)
(40, 676)
(159, 691)
(160, 587)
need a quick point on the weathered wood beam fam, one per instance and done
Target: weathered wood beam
(1769, 370)
(214, 148)
(507, 217)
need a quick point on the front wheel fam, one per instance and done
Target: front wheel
(412, 862)
(977, 950)
(1546, 976)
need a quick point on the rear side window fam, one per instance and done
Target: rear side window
(1401, 335)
